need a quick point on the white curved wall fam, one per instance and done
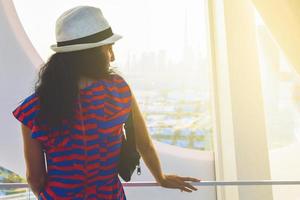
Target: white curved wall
(19, 63)
(16, 80)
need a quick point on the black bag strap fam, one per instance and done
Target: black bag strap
(130, 137)
(129, 130)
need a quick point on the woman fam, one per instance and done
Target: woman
(76, 115)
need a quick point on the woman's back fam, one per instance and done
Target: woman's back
(82, 161)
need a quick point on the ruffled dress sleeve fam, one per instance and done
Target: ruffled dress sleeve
(26, 113)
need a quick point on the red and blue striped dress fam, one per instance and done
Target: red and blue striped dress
(83, 164)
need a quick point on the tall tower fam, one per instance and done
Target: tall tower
(188, 59)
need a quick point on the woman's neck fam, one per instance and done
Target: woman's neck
(84, 82)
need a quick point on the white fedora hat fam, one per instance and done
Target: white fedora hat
(82, 27)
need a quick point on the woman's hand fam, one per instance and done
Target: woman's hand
(174, 181)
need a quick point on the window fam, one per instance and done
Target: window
(281, 89)
(163, 55)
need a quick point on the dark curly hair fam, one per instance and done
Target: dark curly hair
(58, 81)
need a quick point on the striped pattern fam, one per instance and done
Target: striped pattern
(84, 166)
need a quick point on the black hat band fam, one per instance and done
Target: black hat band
(97, 37)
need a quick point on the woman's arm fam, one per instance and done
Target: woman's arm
(147, 150)
(35, 161)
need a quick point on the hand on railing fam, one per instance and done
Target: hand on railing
(175, 181)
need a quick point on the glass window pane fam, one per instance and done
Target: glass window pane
(164, 57)
(281, 92)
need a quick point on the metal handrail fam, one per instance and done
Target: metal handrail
(220, 183)
(201, 183)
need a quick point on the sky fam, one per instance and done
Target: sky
(145, 25)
